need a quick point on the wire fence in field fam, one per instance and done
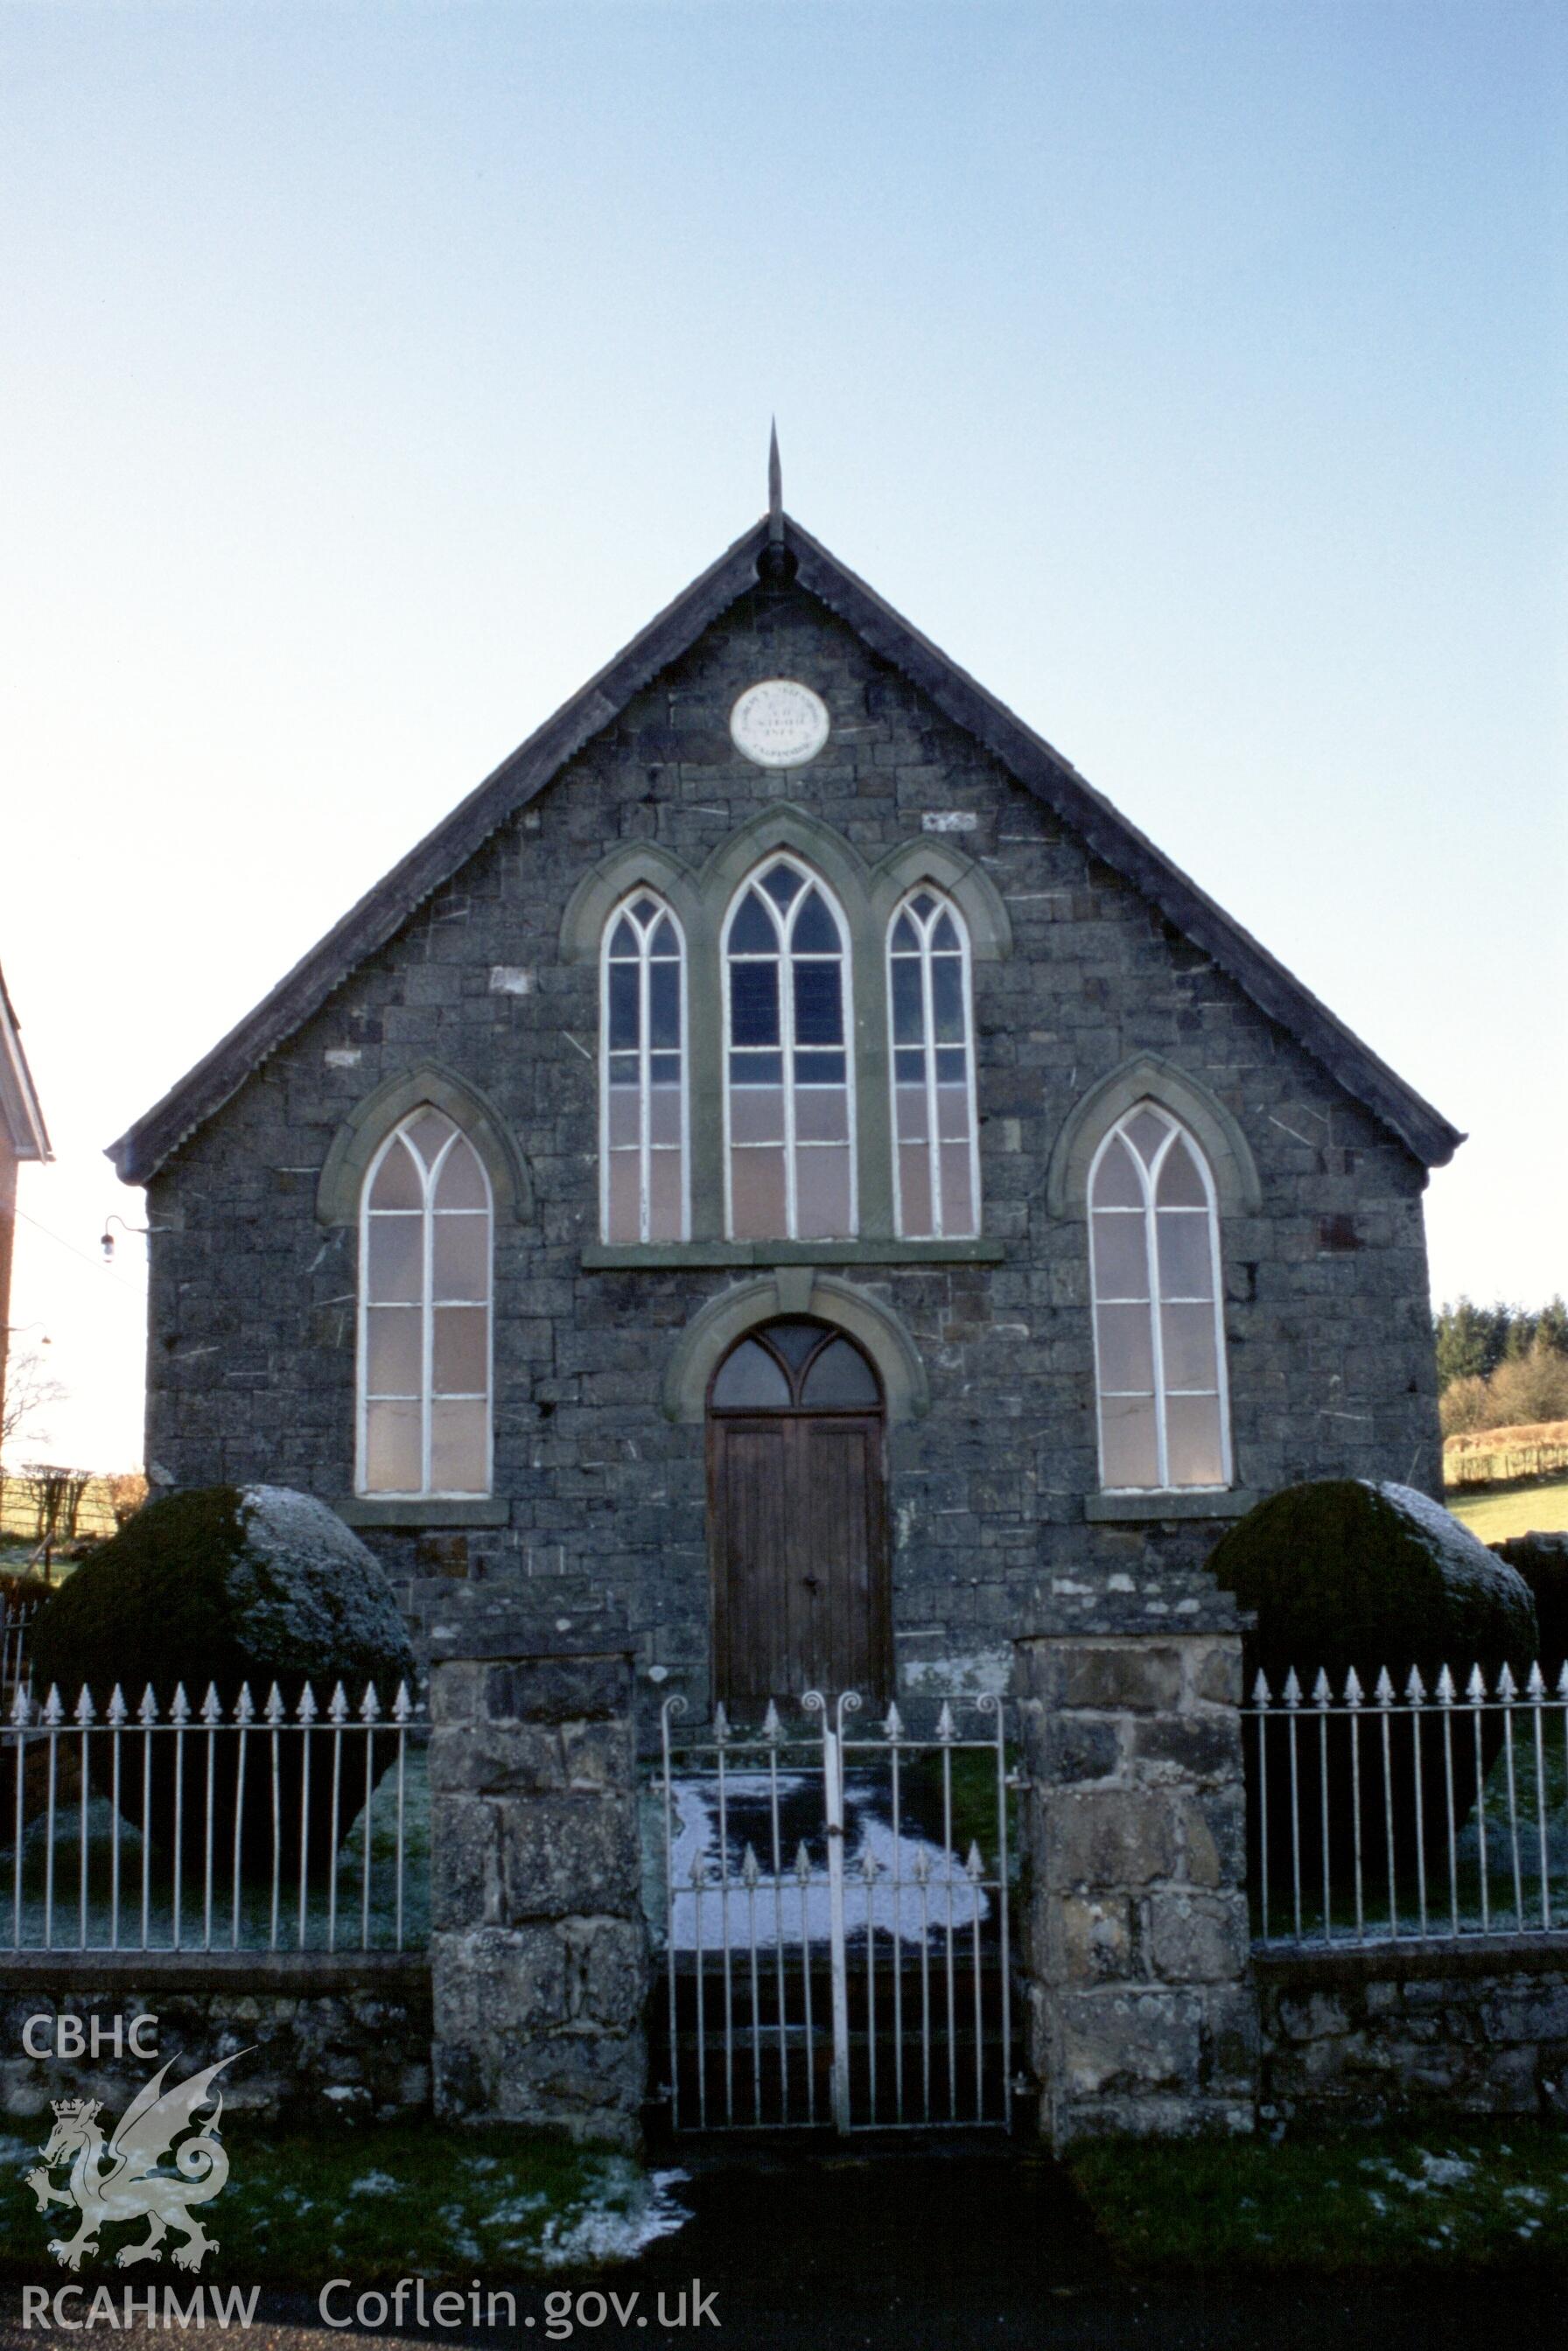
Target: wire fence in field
(1473, 1463)
(240, 1828)
(1421, 1815)
(32, 1508)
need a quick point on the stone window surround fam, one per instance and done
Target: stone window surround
(812, 884)
(1148, 1077)
(1178, 1137)
(338, 1196)
(608, 1092)
(868, 895)
(367, 1126)
(425, 1396)
(789, 1292)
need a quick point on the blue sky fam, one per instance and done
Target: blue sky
(1193, 373)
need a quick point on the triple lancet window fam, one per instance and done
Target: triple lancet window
(790, 1084)
(789, 1067)
(424, 1314)
(1159, 1337)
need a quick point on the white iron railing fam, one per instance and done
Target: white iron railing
(252, 1829)
(1432, 1815)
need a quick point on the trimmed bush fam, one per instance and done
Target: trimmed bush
(1542, 1561)
(228, 1586)
(1343, 1574)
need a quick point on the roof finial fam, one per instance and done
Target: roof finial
(775, 562)
(775, 489)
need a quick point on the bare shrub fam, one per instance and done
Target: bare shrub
(127, 1492)
(1466, 1406)
(1531, 1387)
(56, 1495)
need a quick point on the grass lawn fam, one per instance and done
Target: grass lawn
(377, 2204)
(1496, 1513)
(1489, 2197)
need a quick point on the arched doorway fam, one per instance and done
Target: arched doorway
(797, 1517)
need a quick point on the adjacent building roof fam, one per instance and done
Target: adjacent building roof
(1040, 769)
(19, 1111)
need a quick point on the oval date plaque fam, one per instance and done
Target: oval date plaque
(779, 723)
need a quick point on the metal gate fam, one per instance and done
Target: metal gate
(836, 1920)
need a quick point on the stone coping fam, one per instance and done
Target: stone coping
(1466, 1957)
(296, 1973)
(476, 1621)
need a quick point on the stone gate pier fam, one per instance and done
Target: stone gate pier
(538, 1948)
(1141, 2010)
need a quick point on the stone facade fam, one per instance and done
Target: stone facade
(1390, 2035)
(1140, 2008)
(997, 1524)
(329, 2040)
(538, 1948)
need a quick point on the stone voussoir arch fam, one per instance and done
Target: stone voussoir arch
(795, 829)
(635, 864)
(970, 887)
(791, 1291)
(1148, 1077)
(368, 1124)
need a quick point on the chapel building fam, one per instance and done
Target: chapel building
(786, 1155)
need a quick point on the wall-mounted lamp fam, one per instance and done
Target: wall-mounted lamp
(106, 1239)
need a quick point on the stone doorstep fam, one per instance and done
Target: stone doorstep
(290, 1974)
(1285, 1969)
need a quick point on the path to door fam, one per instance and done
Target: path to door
(962, 2252)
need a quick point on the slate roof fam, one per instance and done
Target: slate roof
(143, 1148)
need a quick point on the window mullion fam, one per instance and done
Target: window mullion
(971, 1057)
(605, 1228)
(849, 1028)
(427, 1354)
(363, 1380)
(933, 1142)
(1156, 1336)
(726, 1077)
(644, 1089)
(786, 1033)
(1221, 1374)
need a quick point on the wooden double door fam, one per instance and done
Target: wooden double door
(797, 1518)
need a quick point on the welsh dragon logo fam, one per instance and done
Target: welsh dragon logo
(117, 2181)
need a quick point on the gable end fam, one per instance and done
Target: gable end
(1027, 757)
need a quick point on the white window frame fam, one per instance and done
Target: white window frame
(428, 1303)
(1149, 1177)
(812, 880)
(644, 1051)
(928, 1048)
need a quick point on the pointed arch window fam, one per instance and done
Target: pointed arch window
(1159, 1332)
(937, 1169)
(644, 1119)
(424, 1313)
(790, 1084)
